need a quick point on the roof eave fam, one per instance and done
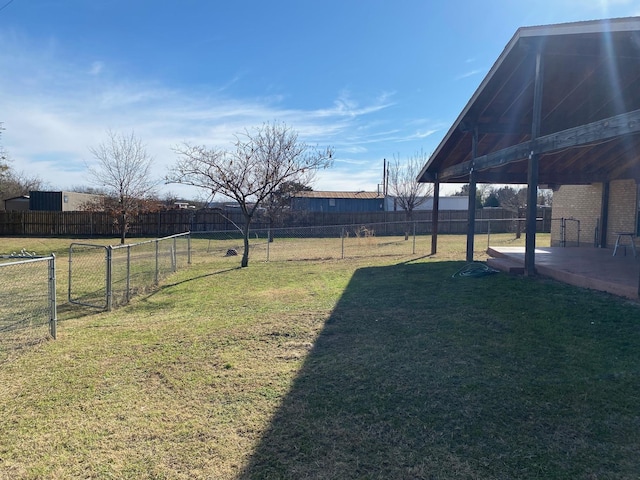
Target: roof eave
(574, 28)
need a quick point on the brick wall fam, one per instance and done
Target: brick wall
(583, 203)
(622, 209)
(580, 202)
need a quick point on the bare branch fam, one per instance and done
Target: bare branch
(123, 170)
(403, 183)
(262, 159)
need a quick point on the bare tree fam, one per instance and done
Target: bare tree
(545, 197)
(3, 155)
(123, 171)
(408, 193)
(512, 199)
(13, 183)
(277, 206)
(262, 160)
(5, 169)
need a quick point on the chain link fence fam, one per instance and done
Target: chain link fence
(105, 277)
(28, 310)
(565, 232)
(341, 241)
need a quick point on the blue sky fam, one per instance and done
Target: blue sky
(370, 78)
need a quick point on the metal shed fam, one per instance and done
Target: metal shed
(319, 201)
(59, 201)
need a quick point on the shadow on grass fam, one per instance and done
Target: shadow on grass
(199, 277)
(420, 375)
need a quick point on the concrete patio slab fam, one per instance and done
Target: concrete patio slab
(594, 268)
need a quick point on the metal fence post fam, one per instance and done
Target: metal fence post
(342, 236)
(189, 248)
(157, 262)
(414, 239)
(128, 272)
(174, 256)
(69, 276)
(488, 233)
(109, 255)
(53, 306)
(268, 241)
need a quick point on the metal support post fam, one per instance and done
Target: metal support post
(157, 262)
(434, 217)
(53, 306)
(268, 241)
(174, 258)
(532, 172)
(109, 286)
(471, 214)
(128, 294)
(414, 239)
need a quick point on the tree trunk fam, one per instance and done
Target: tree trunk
(245, 234)
(408, 216)
(123, 227)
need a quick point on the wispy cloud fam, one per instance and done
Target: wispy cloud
(468, 74)
(96, 68)
(346, 106)
(65, 108)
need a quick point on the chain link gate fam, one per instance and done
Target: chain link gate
(107, 276)
(28, 310)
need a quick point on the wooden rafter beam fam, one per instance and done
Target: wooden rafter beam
(602, 130)
(496, 128)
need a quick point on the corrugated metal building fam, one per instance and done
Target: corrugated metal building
(17, 204)
(316, 201)
(59, 201)
(446, 203)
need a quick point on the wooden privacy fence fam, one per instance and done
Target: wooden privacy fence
(160, 224)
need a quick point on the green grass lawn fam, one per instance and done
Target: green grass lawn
(377, 368)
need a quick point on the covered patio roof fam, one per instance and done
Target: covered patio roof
(561, 105)
(586, 126)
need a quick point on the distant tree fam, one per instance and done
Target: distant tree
(5, 174)
(12, 183)
(3, 156)
(408, 193)
(491, 200)
(4, 166)
(404, 185)
(545, 197)
(481, 192)
(263, 159)
(278, 205)
(88, 189)
(510, 198)
(463, 192)
(123, 170)
(15, 184)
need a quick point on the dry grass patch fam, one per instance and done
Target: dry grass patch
(365, 368)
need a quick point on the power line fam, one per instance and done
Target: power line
(6, 5)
